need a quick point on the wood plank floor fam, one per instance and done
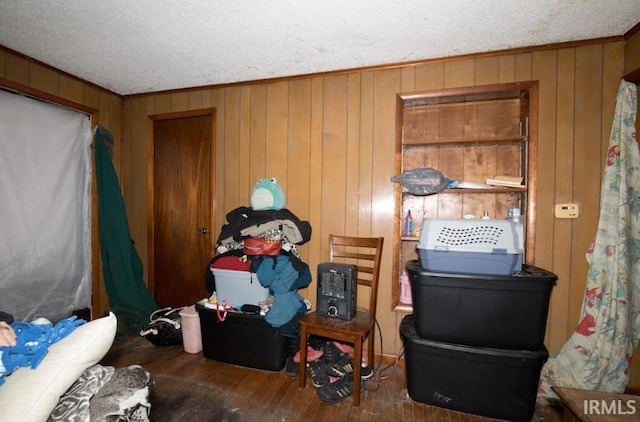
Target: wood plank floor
(266, 396)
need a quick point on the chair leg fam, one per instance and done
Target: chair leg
(302, 366)
(357, 368)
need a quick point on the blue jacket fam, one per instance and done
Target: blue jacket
(284, 281)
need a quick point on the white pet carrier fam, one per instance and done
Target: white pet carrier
(471, 246)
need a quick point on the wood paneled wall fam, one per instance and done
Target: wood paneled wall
(632, 50)
(329, 139)
(32, 78)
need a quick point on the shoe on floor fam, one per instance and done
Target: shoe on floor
(338, 364)
(348, 348)
(319, 375)
(342, 367)
(293, 346)
(316, 342)
(366, 373)
(331, 352)
(337, 391)
(291, 368)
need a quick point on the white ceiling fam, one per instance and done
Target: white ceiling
(138, 46)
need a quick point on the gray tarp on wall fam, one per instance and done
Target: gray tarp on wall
(45, 243)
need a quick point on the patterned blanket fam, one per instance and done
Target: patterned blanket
(103, 393)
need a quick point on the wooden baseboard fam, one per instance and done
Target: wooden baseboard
(391, 360)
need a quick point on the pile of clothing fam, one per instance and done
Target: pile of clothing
(263, 239)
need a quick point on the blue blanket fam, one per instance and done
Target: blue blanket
(32, 343)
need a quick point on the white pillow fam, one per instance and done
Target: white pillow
(30, 395)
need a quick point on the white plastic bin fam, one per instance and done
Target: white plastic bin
(237, 288)
(191, 335)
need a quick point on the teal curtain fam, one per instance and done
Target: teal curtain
(129, 297)
(598, 354)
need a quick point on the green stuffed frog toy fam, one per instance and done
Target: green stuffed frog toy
(267, 195)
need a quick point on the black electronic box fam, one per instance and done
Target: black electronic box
(337, 290)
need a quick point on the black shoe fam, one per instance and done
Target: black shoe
(291, 368)
(319, 375)
(316, 342)
(366, 373)
(338, 363)
(338, 390)
(331, 352)
(342, 367)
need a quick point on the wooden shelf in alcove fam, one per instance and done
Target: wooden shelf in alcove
(460, 191)
(483, 190)
(466, 141)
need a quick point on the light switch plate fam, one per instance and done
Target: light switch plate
(567, 211)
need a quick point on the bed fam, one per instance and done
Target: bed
(70, 384)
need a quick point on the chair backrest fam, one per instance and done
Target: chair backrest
(366, 254)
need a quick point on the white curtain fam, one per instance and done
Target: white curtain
(45, 236)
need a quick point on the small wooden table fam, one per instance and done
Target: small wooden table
(598, 406)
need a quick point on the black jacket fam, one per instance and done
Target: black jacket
(245, 219)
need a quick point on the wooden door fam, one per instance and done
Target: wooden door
(182, 216)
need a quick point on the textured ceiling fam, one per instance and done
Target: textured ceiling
(138, 46)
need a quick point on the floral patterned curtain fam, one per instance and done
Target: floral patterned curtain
(598, 354)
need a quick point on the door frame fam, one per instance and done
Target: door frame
(211, 112)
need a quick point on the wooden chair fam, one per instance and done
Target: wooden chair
(366, 254)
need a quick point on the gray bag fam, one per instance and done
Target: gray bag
(421, 181)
